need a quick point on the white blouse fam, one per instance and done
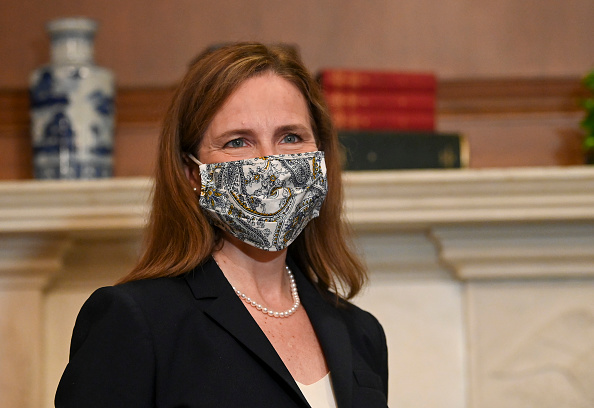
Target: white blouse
(320, 393)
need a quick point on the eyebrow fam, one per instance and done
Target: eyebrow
(281, 129)
(293, 128)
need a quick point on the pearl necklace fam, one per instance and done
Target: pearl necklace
(269, 312)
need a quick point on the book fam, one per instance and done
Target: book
(380, 100)
(333, 78)
(373, 120)
(390, 150)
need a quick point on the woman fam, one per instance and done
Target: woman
(236, 301)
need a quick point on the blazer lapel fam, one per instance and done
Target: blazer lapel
(333, 336)
(209, 285)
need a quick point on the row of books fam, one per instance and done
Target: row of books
(380, 100)
(386, 120)
(399, 150)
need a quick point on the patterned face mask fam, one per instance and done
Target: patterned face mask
(265, 201)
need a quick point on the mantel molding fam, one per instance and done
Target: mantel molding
(529, 223)
(493, 223)
(80, 207)
(425, 199)
(382, 201)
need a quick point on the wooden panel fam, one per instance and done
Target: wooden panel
(514, 122)
(150, 43)
(508, 122)
(143, 104)
(15, 143)
(519, 139)
(140, 114)
(136, 149)
(15, 153)
(510, 95)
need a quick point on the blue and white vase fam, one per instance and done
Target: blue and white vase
(72, 107)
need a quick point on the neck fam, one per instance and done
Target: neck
(255, 271)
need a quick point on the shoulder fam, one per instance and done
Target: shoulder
(140, 292)
(141, 301)
(145, 293)
(144, 287)
(130, 314)
(113, 348)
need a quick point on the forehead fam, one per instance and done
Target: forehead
(266, 97)
(266, 85)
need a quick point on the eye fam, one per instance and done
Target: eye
(235, 143)
(291, 138)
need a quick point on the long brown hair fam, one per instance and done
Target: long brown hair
(179, 235)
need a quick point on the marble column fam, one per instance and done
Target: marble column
(27, 265)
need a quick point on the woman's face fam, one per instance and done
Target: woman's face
(266, 115)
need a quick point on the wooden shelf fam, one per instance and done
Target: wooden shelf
(509, 122)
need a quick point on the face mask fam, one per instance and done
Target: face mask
(265, 201)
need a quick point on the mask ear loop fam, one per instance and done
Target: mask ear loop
(194, 159)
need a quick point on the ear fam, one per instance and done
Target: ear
(193, 174)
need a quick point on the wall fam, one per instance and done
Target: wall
(150, 43)
(496, 63)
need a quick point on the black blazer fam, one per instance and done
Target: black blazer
(190, 342)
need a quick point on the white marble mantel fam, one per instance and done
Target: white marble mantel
(483, 279)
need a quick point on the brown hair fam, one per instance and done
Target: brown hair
(179, 235)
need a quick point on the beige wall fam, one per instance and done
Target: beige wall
(149, 43)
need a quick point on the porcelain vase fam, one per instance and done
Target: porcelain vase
(72, 107)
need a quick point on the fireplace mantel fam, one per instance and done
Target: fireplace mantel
(375, 200)
(451, 233)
